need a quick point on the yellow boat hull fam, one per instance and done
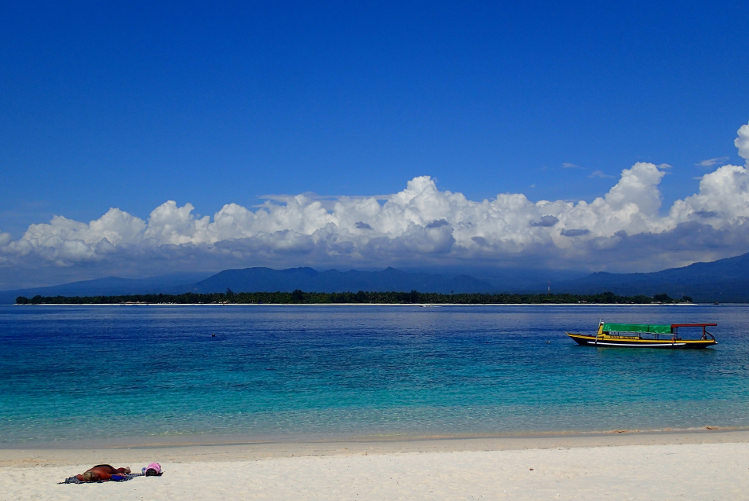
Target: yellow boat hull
(638, 342)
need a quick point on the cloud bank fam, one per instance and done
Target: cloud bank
(623, 230)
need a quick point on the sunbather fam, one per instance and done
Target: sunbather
(101, 472)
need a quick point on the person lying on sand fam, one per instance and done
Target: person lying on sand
(101, 472)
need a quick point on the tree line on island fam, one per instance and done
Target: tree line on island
(361, 297)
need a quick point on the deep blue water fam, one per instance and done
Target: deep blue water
(257, 373)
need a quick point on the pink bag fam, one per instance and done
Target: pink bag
(152, 470)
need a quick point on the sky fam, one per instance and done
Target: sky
(145, 138)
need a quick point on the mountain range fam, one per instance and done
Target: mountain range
(308, 279)
(726, 280)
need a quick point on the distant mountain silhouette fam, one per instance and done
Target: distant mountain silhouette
(310, 280)
(725, 280)
(111, 286)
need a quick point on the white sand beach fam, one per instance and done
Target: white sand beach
(700, 465)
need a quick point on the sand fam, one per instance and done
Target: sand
(699, 465)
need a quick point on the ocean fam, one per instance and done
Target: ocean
(160, 374)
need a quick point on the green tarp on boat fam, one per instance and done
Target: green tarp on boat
(657, 329)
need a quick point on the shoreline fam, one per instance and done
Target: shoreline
(240, 439)
(197, 450)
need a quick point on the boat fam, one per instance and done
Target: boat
(646, 336)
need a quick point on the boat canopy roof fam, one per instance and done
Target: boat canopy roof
(655, 328)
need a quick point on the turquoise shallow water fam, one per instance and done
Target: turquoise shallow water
(259, 373)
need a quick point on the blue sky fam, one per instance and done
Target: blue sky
(247, 105)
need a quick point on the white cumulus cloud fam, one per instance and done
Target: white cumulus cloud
(742, 142)
(625, 229)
